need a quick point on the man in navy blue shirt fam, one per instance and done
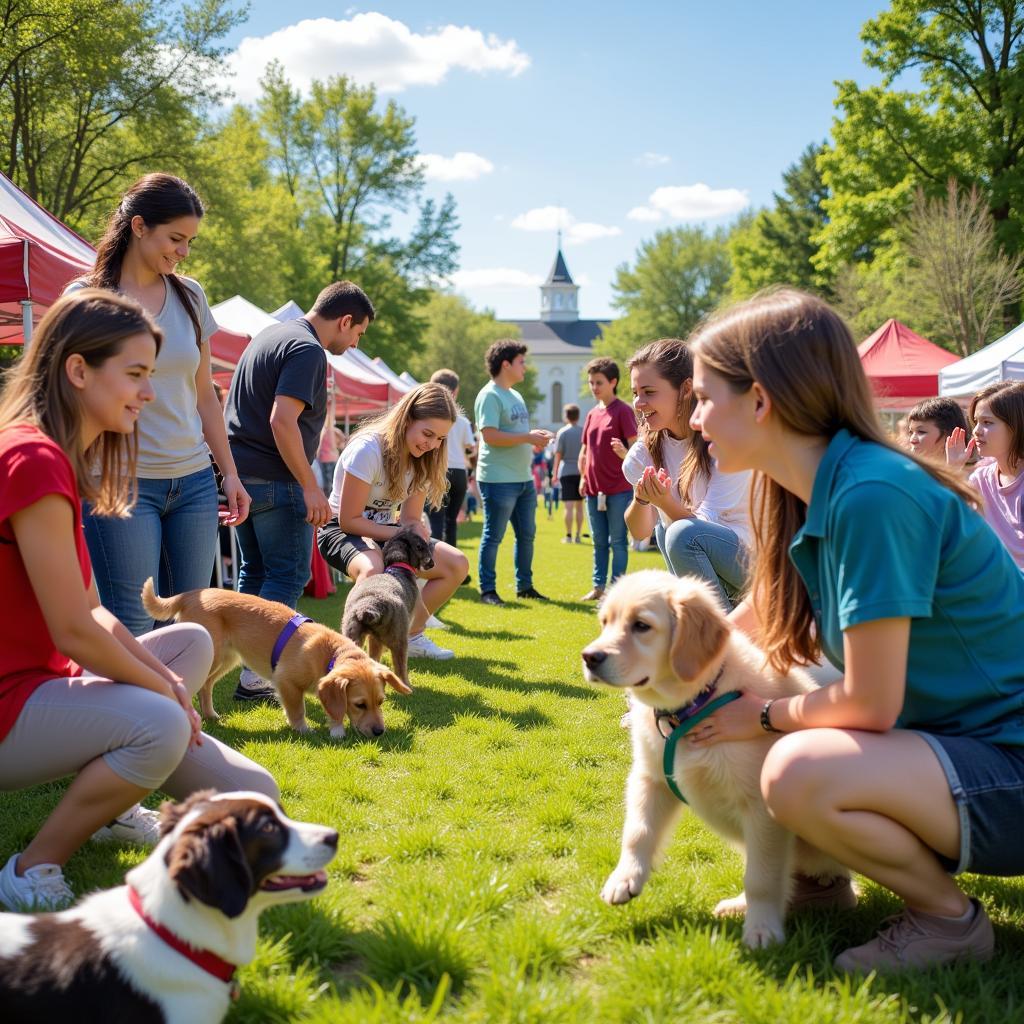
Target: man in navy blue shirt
(275, 412)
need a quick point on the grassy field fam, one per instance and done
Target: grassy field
(476, 835)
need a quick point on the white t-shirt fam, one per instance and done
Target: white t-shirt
(364, 459)
(460, 437)
(724, 499)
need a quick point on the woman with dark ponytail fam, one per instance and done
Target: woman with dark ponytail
(172, 530)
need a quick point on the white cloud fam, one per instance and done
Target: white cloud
(650, 159)
(558, 218)
(370, 48)
(460, 167)
(495, 277)
(691, 202)
(644, 213)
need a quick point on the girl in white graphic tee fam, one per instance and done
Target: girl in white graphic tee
(396, 462)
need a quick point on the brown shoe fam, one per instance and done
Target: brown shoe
(808, 894)
(594, 595)
(913, 940)
(814, 894)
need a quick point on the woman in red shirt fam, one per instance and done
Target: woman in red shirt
(68, 418)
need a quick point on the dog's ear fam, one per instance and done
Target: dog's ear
(208, 863)
(699, 634)
(388, 678)
(333, 693)
(171, 813)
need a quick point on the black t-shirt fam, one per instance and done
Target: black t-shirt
(285, 359)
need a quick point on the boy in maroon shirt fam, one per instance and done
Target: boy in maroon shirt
(608, 432)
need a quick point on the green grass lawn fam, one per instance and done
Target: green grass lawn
(476, 835)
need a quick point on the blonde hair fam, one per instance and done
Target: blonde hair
(93, 324)
(429, 471)
(672, 360)
(802, 353)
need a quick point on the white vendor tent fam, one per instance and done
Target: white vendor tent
(239, 314)
(291, 310)
(1002, 360)
(408, 378)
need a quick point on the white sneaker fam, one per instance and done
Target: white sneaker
(423, 647)
(433, 622)
(39, 890)
(137, 825)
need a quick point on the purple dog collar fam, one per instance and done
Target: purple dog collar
(286, 634)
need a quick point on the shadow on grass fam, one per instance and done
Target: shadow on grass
(485, 675)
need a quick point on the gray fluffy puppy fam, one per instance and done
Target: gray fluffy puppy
(380, 607)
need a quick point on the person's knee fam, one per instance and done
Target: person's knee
(167, 736)
(790, 781)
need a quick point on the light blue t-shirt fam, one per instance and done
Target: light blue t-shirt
(884, 539)
(503, 409)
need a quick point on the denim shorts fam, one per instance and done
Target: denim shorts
(987, 783)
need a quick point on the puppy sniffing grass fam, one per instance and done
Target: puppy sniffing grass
(380, 607)
(247, 628)
(666, 641)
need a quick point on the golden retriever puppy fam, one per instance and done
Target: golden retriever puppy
(666, 642)
(292, 655)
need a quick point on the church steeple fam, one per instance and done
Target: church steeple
(558, 294)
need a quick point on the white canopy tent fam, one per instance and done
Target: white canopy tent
(408, 378)
(1002, 360)
(239, 314)
(291, 310)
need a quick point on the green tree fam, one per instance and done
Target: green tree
(455, 337)
(776, 246)
(350, 166)
(966, 121)
(94, 93)
(250, 242)
(681, 275)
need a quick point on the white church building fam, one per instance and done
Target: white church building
(560, 344)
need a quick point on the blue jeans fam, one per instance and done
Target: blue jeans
(504, 502)
(695, 547)
(275, 542)
(608, 529)
(171, 535)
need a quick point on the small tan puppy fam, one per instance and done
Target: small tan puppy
(246, 628)
(665, 640)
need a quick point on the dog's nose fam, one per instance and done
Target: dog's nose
(378, 730)
(593, 658)
(331, 840)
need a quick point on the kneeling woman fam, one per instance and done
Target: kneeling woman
(399, 459)
(911, 767)
(79, 695)
(703, 518)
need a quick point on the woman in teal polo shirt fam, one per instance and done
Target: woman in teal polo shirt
(912, 766)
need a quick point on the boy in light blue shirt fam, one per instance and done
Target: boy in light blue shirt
(503, 469)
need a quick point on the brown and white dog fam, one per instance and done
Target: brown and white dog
(163, 947)
(247, 628)
(667, 643)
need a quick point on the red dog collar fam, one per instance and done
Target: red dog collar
(401, 565)
(209, 962)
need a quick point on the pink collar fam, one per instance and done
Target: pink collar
(209, 962)
(401, 565)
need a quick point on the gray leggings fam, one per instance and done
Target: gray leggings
(142, 736)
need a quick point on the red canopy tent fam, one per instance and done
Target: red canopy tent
(903, 367)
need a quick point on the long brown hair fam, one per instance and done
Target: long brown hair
(1006, 401)
(93, 324)
(157, 199)
(429, 471)
(802, 353)
(672, 360)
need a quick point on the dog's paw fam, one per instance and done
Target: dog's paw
(337, 732)
(622, 886)
(735, 906)
(761, 932)
(302, 727)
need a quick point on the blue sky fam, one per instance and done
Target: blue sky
(613, 125)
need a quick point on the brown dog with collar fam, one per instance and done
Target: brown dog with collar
(245, 628)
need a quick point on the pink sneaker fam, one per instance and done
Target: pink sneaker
(913, 940)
